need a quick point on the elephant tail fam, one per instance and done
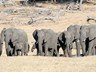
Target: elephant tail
(28, 47)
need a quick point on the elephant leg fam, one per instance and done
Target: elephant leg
(52, 52)
(37, 51)
(93, 51)
(68, 51)
(22, 52)
(52, 1)
(15, 52)
(90, 47)
(55, 1)
(40, 49)
(26, 49)
(18, 53)
(9, 51)
(46, 49)
(64, 51)
(83, 46)
(58, 51)
(78, 47)
(0, 53)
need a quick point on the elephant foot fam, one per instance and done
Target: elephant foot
(66, 55)
(82, 55)
(0, 53)
(46, 54)
(40, 54)
(78, 55)
(57, 55)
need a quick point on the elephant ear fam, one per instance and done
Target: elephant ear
(61, 37)
(3, 31)
(3, 34)
(35, 34)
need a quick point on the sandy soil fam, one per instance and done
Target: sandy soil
(33, 63)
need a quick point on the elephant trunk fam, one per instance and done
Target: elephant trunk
(33, 47)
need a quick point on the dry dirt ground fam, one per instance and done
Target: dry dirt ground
(34, 63)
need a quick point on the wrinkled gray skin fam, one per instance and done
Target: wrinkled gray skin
(15, 39)
(48, 39)
(65, 42)
(74, 30)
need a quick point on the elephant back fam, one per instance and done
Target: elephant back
(77, 31)
(71, 30)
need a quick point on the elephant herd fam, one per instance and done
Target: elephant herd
(48, 42)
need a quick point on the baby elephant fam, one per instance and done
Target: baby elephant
(19, 49)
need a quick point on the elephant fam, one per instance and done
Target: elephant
(15, 38)
(46, 39)
(65, 42)
(74, 30)
(88, 39)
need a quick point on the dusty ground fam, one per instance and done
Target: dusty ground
(33, 63)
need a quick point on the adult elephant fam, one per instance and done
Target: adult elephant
(88, 39)
(92, 40)
(46, 39)
(74, 31)
(65, 42)
(15, 40)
